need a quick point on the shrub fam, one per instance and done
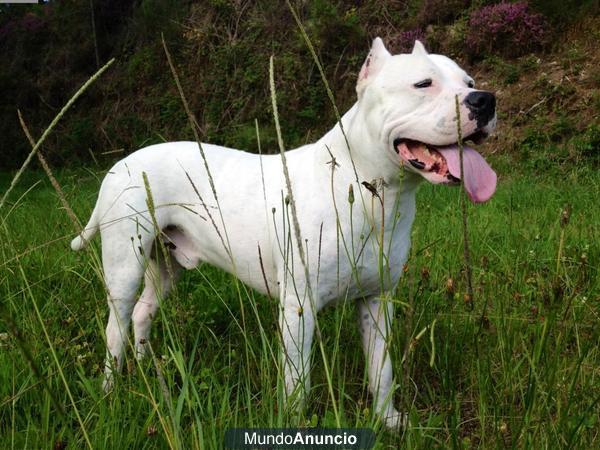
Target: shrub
(440, 11)
(564, 12)
(405, 40)
(508, 29)
(587, 145)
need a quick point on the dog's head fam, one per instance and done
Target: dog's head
(410, 102)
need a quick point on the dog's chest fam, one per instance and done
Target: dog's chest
(365, 258)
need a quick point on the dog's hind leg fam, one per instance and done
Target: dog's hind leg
(158, 281)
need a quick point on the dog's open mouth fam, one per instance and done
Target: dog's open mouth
(441, 164)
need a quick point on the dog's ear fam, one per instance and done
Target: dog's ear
(419, 49)
(372, 65)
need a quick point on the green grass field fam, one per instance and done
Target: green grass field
(519, 370)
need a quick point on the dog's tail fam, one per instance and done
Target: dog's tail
(88, 232)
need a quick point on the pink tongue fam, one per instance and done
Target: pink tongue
(479, 179)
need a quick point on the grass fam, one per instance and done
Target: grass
(522, 369)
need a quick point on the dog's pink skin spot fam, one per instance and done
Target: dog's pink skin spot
(185, 252)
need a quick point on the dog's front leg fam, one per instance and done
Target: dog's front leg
(297, 325)
(375, 318)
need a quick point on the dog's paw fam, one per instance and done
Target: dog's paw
(108, 383)
(141, 350)
(394, 420)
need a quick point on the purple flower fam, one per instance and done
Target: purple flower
(506, 28)
(406, 39)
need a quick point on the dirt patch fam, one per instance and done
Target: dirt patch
(555, 94)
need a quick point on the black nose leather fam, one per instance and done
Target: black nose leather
(482, 106)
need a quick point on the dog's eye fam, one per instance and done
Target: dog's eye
(471, 84)
(423, 84)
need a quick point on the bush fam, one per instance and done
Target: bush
(563, 12)
(587, 145)
(508, 29)
(405, 40)
(439, 12)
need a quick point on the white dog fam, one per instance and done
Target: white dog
(405, 116)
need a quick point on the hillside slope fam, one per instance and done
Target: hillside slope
(548, 100)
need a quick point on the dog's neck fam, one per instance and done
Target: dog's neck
(366, 158)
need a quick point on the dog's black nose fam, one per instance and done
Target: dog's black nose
(482, 106)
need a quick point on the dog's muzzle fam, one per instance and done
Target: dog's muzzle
(442, 164)
(482, 107)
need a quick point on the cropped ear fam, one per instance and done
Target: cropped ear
(419, 49)
(372, 65)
